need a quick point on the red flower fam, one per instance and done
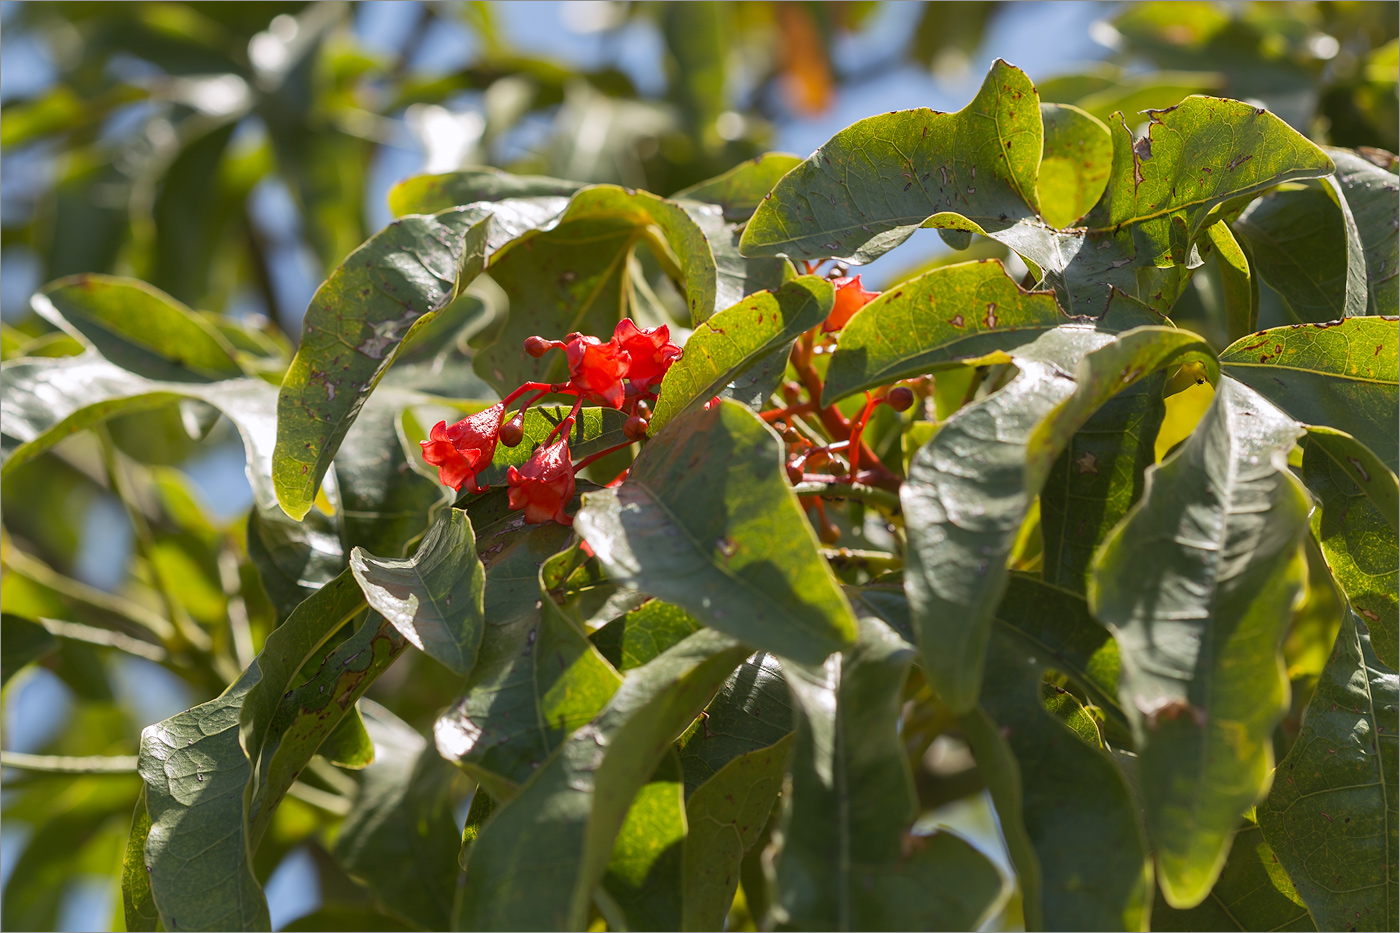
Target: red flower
(652, 352)
(465, 449)
(597, 369)
(851, 296)
(544, 484)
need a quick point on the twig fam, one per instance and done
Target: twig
(70, 764)
(27, 565)
(868, 494)
(76, 631)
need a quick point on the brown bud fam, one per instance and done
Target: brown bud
(818, 459)
(900, 398)
(537, 346)
(643, 408)
(791, 392)
(790, 435)
(794, 472)
(512, 432)
(829, 534)
(635, 429)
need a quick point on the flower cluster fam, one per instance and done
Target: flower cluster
(623, 373)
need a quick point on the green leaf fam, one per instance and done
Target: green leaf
(971, 487)
(1253, 893)
(877, 181)
(536, 863)
(636, 637)
(741, 189)
(1356, 530)
(1239, 285)
(735, 274)
(1331, 815)
(537, 678)
(358, 320)
(571, 275)
(1198, 584)
(435, 597)
(1369, 191)
(645, 869)
(1345, 375)
(726, 815)
(1071, 823)
(430, 194)
(44, 401)
(950, 317)
(1075, 164)
(734, 339)
(138, 907)
(751, 712)
(845, 859)
(707, 521)
(294, 559)
(196, 775)
(22, 642)
(349, 744)
(400, 836)
(1298, 240)
(140, 328)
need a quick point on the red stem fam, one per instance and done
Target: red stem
(599, 455)
(567, 424)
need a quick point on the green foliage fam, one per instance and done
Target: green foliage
(1106, 546)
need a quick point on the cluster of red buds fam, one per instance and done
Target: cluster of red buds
(623, 373)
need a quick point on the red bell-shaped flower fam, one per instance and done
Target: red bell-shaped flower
(597, 369)
(851, 296)
(544, 484)
(464, 449)
(651, 352)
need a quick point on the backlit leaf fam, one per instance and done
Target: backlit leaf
(1075, 164)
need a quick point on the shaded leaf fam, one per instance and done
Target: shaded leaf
(845, 859)
(138, 327)
(735, 274)
(430, 194)
(1197, 584)
(400, 836)
(535, 864)
(1297, 238)
(707, 521)
(22, 642)
(537, 678)
(1331, 815)
(741, 189)
(752, 711)
(358, 320)
(970, 488)
(1075, 164)
(1370, 192)
(1239, 285)
(636, 637)
(433, 598)
(1345, 375)
(644, 873)
(1070, 821)
(138, 907)
(734, 339)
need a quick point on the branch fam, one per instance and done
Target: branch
(70, 764)
(868, 494)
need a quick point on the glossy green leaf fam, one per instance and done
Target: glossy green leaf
(1331, 815)
(725, 817)
(1370, 193)
(941, 319)
(1070, 821)
(1239, 285)
(537, 678)
(644, 872)
(44, 401)
(1075, 164)
(845, 859)
(752, 711)
(138, 327)
(1198, 584)
(435, 597)
(733, 339)
(740, 190)
(430, 194)
(1345, 375)
(535, 864)
(196, 773)
(636, 637)
(1253, 893)
(1297, 238)
(736, 275)
(400, 836)
(358, 320)
(970, 488)
(706, 520)
(22, 642)
(571, 275)
(877, 181)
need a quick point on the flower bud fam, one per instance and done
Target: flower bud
(537, 346)
(829, 534)
(818, 459)
(790, 435)
(900, 398)
(794, 472)
(513, 432)
(635, 429)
